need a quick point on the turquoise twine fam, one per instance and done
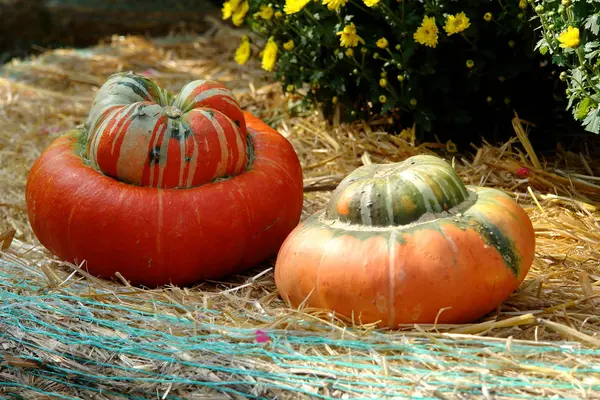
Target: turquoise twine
(21, 304)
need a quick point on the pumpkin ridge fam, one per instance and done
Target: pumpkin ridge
(388, 201)
(458, 184)
(154, 153)
(392, 275)
(318, 285)
(451, 243)
(250, 151)
(136, 89)
(159, 226)
(119, 137)
(197, 102)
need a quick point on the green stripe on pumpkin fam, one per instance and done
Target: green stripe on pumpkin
(492, 236)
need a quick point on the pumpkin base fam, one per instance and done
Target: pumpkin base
(153, 236)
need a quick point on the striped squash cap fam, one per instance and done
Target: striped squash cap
(140, 134)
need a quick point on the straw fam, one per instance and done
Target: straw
(67, 334)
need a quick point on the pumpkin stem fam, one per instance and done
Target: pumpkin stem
(173, 112)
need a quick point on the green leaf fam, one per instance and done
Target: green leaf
(542, 43)
(591, 50)
(582, 109)
(571, 100)
(591, 23)
(592, 121)
(578, 76)
(592, 54)
(558, 59)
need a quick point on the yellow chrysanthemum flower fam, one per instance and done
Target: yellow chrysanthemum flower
(269, 55)
(349, 37)
(383, 82)
(523, 4)
(456, 23)
(383, 98)
(293, 6)
(427, 33)
(240, 13)
(266, 12)
(242, 54)
(382, 43)
(470, 63)
(349, 52)
(289, 45)
(229, 7)
(371, 3)
(487, 16)
(334, 5)
(569, 38)
(226, 10)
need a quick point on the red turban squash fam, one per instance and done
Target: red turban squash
(165, 189)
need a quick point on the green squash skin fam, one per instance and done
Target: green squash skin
(397, 194)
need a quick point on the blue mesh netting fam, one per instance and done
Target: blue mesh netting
(76, 342)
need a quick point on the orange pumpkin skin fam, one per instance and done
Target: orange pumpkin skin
(456, 267)
(155, 236)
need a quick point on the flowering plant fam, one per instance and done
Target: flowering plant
(570, 33)
(414, 61)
